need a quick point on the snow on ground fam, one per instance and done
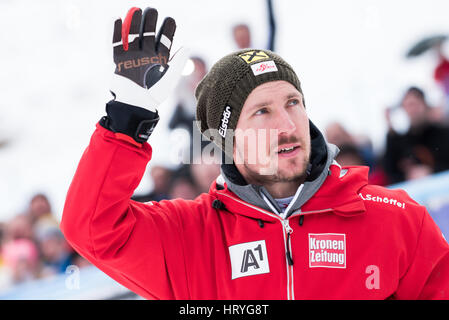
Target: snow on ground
(56, 63)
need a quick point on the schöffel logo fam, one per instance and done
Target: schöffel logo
(264, 67)
(386, 200)
(224, 121)
(327, 250)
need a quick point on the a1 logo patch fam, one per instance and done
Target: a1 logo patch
(327, 250)
(248, 259)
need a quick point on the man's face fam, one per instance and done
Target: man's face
(272, 138)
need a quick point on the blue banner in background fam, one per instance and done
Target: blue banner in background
(432, 192)
(88, 283)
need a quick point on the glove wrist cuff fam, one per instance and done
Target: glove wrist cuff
(135, 122)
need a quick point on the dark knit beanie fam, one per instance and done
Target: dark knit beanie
(223, 91)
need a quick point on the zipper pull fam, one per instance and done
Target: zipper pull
(288, 253)
(289, 231)
(287, 226)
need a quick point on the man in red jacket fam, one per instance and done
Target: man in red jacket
(282, 221)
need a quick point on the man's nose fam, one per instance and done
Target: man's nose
(284, 122)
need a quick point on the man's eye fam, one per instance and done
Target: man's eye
(261, 111)
(293, 102)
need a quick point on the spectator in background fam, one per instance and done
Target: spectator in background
(21, 260)
(336, 133)
(19, 227)
(182, 184)
(204, 172)
(186, 182)
(39, 212)
(184, 114)
(160, 177)
(242, 36)
(32, 245)
(355, 151)
(39, 207)
(423, 149)
(350, 155)
(20, 254)
(183, 188)
(441, 74)
(2, 235)
(55, 252)
(4, 276)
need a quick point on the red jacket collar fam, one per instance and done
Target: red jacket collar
(339, 194)
(340, 191)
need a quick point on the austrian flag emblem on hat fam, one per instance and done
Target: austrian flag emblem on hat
(327, 250)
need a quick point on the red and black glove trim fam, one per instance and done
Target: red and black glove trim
(135, 122)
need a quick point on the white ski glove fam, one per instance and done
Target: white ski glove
(145, 75)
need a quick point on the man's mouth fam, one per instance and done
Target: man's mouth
(288, 150)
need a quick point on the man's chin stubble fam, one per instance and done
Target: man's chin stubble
(260, 178)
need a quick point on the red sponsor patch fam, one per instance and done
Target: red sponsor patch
(264, 67)
(327, 250)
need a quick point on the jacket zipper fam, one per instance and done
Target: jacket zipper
(288, 256)
(289, 231)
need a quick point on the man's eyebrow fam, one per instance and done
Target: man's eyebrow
(294, 95)
(268, 101)
(261, 104)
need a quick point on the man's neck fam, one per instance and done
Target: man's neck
(277, 189)
(283, 189)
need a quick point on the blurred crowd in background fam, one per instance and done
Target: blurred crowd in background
(416, 145)
(33, 247)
